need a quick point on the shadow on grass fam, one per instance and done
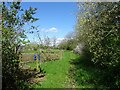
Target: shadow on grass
(87, 75)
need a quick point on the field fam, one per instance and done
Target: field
(56, 72)
(68, 72)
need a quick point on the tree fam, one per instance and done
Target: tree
(54, 41)
(98, 27)
(13, 20)
(69, 43)
(47, 41)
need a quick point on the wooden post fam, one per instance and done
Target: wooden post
(37, 63)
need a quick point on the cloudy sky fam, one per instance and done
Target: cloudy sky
(56, 19)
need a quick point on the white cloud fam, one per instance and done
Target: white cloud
(59, 40)
(53, 29)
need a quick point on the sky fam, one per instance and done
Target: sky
(56, 19)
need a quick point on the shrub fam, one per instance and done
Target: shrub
(98, 27)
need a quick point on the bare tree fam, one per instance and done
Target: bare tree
(54, 41)
(47, 41)
(40, 40)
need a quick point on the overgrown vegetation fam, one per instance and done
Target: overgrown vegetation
(13, 20)
(97, 36)
(69, 43)
(98, 28)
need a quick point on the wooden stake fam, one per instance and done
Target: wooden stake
(37, 63)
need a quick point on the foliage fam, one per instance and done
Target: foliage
(69, 43)
(13, 20)
(98, 27)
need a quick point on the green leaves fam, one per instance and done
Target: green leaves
(100, 33)
(27, 16)
(13, 36)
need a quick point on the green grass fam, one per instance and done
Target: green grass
(56, 72)
(85, 74)
(71, 71)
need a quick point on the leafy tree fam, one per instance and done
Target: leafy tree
(14, 19)
(69, 43)
(98, 27)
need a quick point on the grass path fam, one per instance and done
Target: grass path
(71, 71)
(56, 72)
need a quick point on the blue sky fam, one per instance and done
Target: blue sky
(56, 19)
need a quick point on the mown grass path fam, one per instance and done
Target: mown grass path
(56, 72)
(71, 71)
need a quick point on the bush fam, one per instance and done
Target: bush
(13, 36)
(98, 27)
